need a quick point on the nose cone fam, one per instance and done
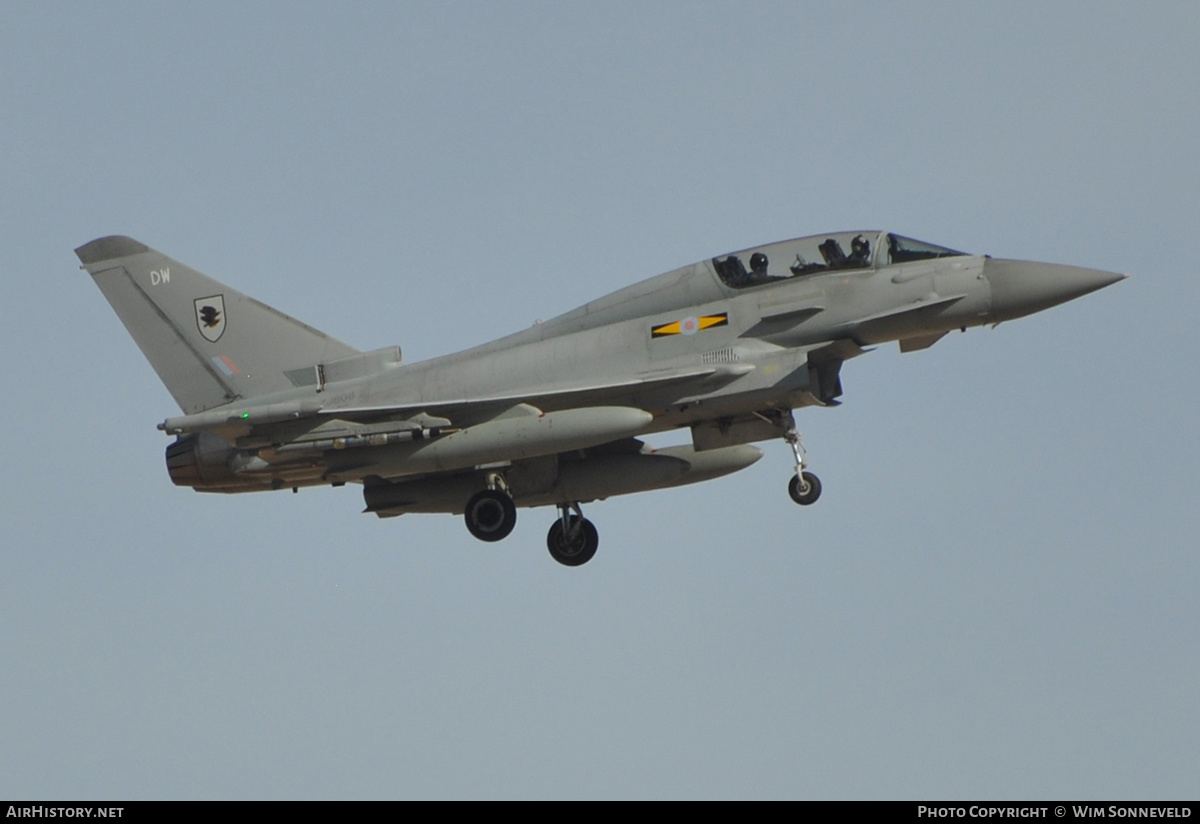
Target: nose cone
(1021, 287)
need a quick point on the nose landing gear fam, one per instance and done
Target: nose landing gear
(804, 487)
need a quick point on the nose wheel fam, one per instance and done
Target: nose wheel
(804, 487)
(572, 539)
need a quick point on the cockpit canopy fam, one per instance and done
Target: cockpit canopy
(822, 253)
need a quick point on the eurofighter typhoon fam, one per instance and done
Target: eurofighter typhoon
(727, 348)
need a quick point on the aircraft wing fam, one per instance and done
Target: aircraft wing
(235, 419)
(468, 410)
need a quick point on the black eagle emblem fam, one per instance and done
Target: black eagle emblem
(210, 315)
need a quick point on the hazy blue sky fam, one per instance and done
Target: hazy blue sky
(995, 597)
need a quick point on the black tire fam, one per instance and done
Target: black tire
(573, 550)
(806, 491)
(490, 515)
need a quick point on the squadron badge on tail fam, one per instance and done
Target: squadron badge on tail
(210, 317)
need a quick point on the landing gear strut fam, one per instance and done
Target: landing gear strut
(491, 513)
(572, 539)
(804, 487)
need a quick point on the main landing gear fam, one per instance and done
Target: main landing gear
(572, 539)
(491, 516)
(491, 513)
(804, 487)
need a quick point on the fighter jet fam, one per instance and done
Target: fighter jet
(726, 348)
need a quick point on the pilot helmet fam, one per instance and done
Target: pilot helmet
(758, 262)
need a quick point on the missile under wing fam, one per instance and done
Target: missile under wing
(725, 348)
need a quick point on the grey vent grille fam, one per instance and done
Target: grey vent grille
(723, 355)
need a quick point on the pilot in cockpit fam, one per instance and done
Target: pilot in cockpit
(758, 268)
(860, 251)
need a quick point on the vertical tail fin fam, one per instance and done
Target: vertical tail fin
(209, 344)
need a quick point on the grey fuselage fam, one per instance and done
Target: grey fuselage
(759, 357)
